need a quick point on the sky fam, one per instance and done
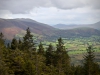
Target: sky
(52, 12)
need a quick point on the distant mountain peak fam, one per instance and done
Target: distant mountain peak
(72, 26)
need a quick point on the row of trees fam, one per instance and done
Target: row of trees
(22, 57)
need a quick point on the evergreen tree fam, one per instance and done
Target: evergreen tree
(90, 66)
(40, 60)
(29, 67)
(40, 64)
(62, 58)
(14, 44)
(50, 60)
(28, 43)
(3, 67)
(49, 55)
(78, 70)
(41, 49)
(19, 44)
(1, 35)
(1, 39)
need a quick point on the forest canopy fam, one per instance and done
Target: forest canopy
(23, 57)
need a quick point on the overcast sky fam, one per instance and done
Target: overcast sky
(52, 11)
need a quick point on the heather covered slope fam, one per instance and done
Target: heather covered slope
(11, 27)
(16, 28)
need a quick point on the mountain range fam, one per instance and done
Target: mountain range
(17, 27)
(72, 26)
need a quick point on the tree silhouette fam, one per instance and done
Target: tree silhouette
(90, 66)
(28, 43)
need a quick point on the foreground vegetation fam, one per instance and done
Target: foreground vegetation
(24, 57)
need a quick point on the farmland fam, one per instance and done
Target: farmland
(76, 47)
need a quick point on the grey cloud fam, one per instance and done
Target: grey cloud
(23, 6)
(71, 4)
(96, 4)
(67, 4)
(5, 14)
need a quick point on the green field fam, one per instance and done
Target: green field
(76, 47)
(72, 45)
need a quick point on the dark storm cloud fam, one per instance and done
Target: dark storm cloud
(24, 6)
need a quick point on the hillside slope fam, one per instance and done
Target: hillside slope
(17, 27)
(72, 26)
(11, 27)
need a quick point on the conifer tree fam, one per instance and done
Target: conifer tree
(14, 44)
(78, 70)
(40, 61)
(41, 49)
(1, 35)
(19, 44)
(2, 46)
(1, 39)
(28, 40)
(90, 66)
(49, 55)
(62, 58)
(3, 67)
